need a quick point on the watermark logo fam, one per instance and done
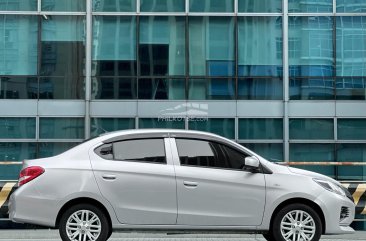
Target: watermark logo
(181, 112)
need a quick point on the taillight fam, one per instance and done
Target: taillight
(29, 173)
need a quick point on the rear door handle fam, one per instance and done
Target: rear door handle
(190, 184)
(109, 177)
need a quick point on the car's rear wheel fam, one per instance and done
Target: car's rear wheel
(297, 222)
(84, 222)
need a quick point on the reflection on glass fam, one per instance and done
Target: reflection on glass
(311, 46)
(162, 89)
(314, 153)
(10, 172)
(18, 5)
(64, 5)
(260, 128)
(114, 48)
(17, 128)
(351, 129)
(63, 55)
(114, 5)
(260, 6)
(17, 151)
(211, 46)
(177, 123)
(260, 46)
(211, 89)
(220, 126)
(48, 149)
(351, 88)
(61, 88)
(351, 153)
(271, 151)
(162, 6)
(260, 89)
(104, 125)
(211, 5)
(351, 46)
(312, 89)
(18, 88)
(18, 45)
(61, 128)
(311, 129)
(162, 46)
(351, 6)
(114, 88)
(310, 6)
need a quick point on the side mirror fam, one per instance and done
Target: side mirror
(252, 163)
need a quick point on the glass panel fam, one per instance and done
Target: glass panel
(114, 5)
(260, 6)
(260, 46)
(312, 89)
(162, 46)
(18, 88)
(311, 129)
(352, 88)
(11, 151)
(18, 5)
(310, 6)
(221, 126)
(260, 89)
(61, 128)
(351, 129)
(211, 5)
(311, 46)
(63, 55)
(149, 150)
(270, 151)
(211, 89)
(348, 6)
(259, 128)
(314, 153)
(351, 153)
(114, 88)
(18, 45)
(64, 5)
(17, 128)
(10, 172)
(162, 89)
(104, 125)
(114, 46)
(211, 46)
(176, 123)
(351, 46)
(163, 6)
(48, 149)
(61, 88)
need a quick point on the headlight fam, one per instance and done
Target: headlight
(330, 186)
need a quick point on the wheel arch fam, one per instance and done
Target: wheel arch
(304, 201)
(82, 200)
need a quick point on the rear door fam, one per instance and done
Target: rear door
(138, 179)
(213, 188)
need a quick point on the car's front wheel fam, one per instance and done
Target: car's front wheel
(297, 222)
(84, 222)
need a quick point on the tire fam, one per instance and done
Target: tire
(99, 231)
(268, 236)
(303, 215)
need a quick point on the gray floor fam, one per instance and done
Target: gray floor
(52, 235)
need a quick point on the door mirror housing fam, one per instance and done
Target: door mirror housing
(252, 163)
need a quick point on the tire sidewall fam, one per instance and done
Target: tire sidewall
(104, 235)
(276, 226)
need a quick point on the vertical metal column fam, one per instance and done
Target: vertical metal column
(88, 60)
(286, 147)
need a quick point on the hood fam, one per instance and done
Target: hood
(311, 174)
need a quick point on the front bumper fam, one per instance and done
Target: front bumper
(332, 204)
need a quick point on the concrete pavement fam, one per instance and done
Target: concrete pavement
(52, 235)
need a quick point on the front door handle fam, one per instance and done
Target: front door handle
(109, 177)
(190, 184)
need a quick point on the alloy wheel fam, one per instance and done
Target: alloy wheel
(83, 225)
(298, 225)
